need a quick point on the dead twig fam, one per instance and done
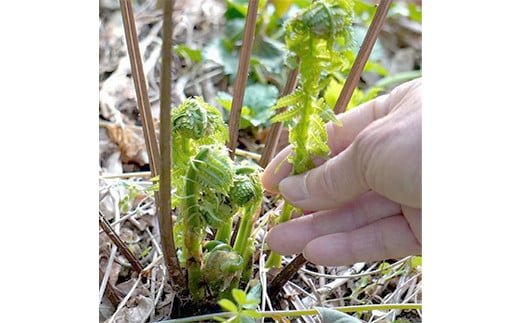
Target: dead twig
(164, 201)
(286, 274)
(362, 56)
(143, 102)
(241, 80)
(134, 262)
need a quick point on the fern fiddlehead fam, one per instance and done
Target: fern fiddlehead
(317, 38)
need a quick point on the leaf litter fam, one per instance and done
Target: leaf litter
(127, 203)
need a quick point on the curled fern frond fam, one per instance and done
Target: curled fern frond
(243, 190)
(216, 209)
(324, 19)
(195, 119)
(213, 168)
(222, 268)
(246, 188)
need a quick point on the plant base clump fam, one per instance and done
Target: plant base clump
(210, 192)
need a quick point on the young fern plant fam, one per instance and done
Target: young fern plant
(210, 190)
(317, 38)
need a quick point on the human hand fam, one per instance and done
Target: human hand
(366, 199)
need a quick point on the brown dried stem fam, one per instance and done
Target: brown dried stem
(276, 285)
(276, 128)
(241, 80)
(119, 243)
(362, 57)
(164, 201)
(143, 103)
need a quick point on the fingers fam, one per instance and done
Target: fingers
(291, 237)
(328, 186)
(339, 137)
(383, 154)
(387, 238)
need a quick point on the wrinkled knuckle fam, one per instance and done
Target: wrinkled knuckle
(364, 149)
(330, 183)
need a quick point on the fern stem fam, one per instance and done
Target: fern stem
(193, 235)
(244, 231)
(242, 74)
(224, 231)
(143, 103)
(275, 259)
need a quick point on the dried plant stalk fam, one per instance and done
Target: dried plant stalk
(120, 244)
(241, 81)
(362, 57)
(164, 201)
(276, 285)
(143, 103)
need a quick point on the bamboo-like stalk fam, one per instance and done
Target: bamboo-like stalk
(143, 103)
(242, 74)
(164, 202)
(362, 56)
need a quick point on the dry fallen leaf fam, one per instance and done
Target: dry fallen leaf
(130, 143)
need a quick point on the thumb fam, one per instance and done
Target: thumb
(327, 186)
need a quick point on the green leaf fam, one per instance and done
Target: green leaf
(188, 53)
(255, 293)
(216, 51)
(302, 3)
(259, 98)
(383, 267)
(332, 92)
(236, 8)
(359, 97)
(333, 316)
(270, 53)
(416, 261)
(239, 296)
(228, 305)
(415, 12)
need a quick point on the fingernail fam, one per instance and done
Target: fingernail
(294, 188)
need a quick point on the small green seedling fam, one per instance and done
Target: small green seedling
(243, 307)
